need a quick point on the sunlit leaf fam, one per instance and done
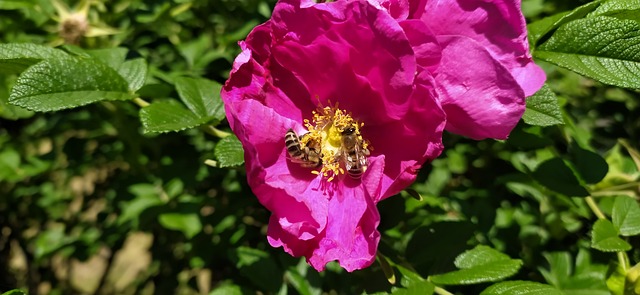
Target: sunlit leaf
(229, 152)
(626, 216)
(604, 237)
(602, 48)
(64, 83)
(543, 109)
(521, 288)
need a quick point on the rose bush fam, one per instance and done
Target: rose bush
(397, 76)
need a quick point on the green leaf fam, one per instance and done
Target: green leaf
(478, 256)
(602, 48)
(14, 292)
(166, 116)
(479, 265)
(489, 272)
(64, 83)
(17, 57)
(591, 167)
(201, 96)
(417, 288)
(622, 9)
(561, 268)
(113, 57)
(259, 267)
(188, 223)
(604, 237)
(543, 108)
(521, 288)
(229, 152)
(556, 175)
(227, 288)
(538, 29)
(135, 72)
(626, 216)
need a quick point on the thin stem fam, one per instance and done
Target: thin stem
(623, 260)
(216, 132)
(441, 291)
(594, 207)
(141, 102)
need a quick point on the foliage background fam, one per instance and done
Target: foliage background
(90, 203)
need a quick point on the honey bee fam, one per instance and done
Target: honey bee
(308, 156)
(354, 153)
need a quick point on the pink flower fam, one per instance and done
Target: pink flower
(353, 65)
(485, 71)
(367, 87)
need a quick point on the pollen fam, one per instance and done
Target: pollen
(326, 129)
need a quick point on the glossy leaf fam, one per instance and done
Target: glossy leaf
(604, 237)
(622, 9)
(479, 265)
(602, 48)
(521, 288)
(17, 57)
(229, 152)
(626, 216)
(489, 272)
(167, 116)
(543, 109)
(201, 96)
(135, 72)
(538, 29)
(56, 84)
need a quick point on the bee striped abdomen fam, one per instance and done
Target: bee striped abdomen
(308, 157)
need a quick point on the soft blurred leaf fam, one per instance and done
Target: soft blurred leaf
(604, 237)
(417, 288)
(64, 83)
(626, 216)
(602, 48)
(14, 292)
(229, 152)
(590, 166)
(259, 267)
(521, 288)
(188, 223)
(543, 109)
(556, 175)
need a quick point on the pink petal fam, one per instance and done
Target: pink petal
(409, 143)
(351, 236)
(479, 95)
(497, 25)
(329, 49)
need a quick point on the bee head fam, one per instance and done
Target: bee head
(349, 131)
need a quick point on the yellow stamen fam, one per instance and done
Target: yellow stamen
(325, 135)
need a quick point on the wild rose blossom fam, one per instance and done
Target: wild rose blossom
(485, 69)
(317, 68)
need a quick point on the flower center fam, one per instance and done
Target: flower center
(335, 136)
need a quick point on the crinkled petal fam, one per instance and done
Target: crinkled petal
(424, 43)
(409, 143)
(478, 94)
(349, 52)
(351, 237)
(497, 25)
